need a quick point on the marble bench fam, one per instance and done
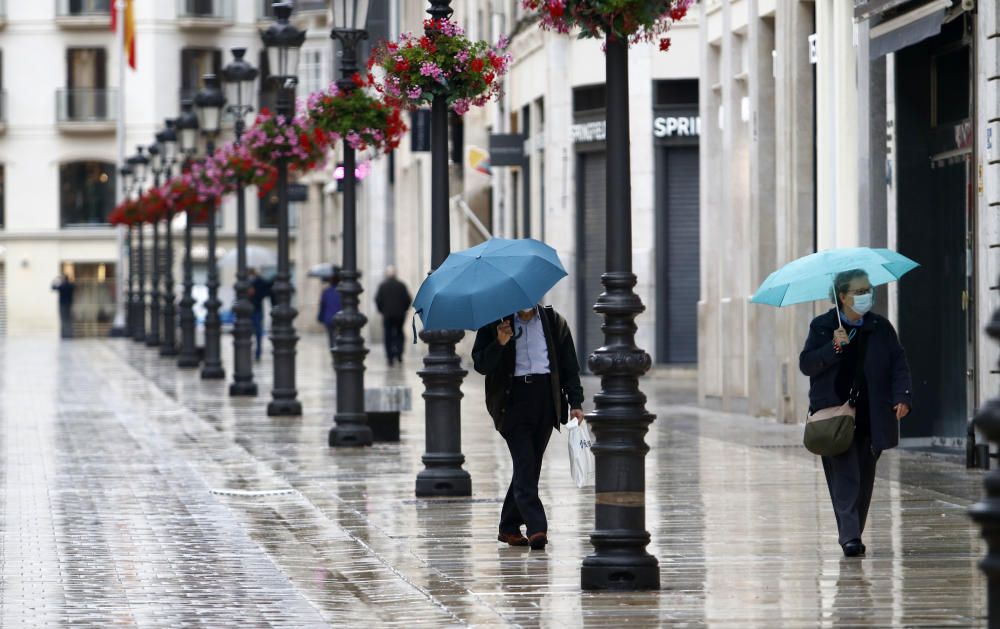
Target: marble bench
(383, 405)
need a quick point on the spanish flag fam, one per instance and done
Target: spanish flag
(129, 29)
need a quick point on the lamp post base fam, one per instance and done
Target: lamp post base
(445, 482)
(213, 372)
(284, 408)
(631, 574)
(248, 389)
(188, 362)
(352, 434)
(168, 351)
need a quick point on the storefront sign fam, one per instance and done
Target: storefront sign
(677, 126)
(663, 127)
(506, 149)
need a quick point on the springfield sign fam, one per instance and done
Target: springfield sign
(663, 127)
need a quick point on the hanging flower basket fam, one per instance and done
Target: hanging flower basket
(125, 213)
(273, 137)
(357, 117)
(182, 195)
(152, 206)
(632, 20)
(237, 167)
(411, 72)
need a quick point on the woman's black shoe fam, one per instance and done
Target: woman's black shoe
(854, 548)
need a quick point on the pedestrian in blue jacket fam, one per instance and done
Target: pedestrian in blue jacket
(837, 347)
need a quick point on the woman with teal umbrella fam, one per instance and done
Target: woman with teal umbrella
(853, 353)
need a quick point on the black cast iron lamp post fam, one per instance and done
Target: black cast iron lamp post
(209, 103)
(187, 126)
(283, 40)
(167, 139)
(442, 373)
(127, 175)
(350, 422)
(239, 78)
(620, 419)
(138, 164)
(153, 335)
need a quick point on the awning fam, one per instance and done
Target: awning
(907, 29)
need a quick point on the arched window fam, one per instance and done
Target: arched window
(86, 192)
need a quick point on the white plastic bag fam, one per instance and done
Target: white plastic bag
(581, 459)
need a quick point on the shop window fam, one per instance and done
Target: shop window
(86, 192)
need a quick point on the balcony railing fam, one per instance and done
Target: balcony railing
(265, 8)
(84, 9)
(205, 13)
(87, 108)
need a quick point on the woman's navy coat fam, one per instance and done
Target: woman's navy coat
(886, 371)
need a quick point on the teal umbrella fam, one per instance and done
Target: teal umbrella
(810, 278)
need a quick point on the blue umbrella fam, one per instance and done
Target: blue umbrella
(810, 278)
(486, 283)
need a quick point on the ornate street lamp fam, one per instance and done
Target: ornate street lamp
(209, 103)
(127, 179)
(139, 163)
(442, 373)
(351, 425)
(187, 128)
(153, 336)
(620, 419)
(283, 40)
(239, 78)
(167, 139)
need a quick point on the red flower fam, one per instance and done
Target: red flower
(371, 77)
(358, 81)
(477, 65)
(304, 141)
(402, 66)
(556, 10)
(496, 62)
(318, 135)
(488, 77)
(264, 111)
(425, 42)
(665, 44)
(677, 14)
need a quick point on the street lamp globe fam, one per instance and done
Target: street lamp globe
(187, 124)
(128, 177)
(350, 14)
(155, 158)
(209, 102)
(283, 40)
(239, 77)
(167, 139)
(139, 164)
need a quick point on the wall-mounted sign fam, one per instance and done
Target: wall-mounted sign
(663, 127)
(506, 149)
(677, 126)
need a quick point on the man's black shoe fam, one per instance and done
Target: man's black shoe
(854, 548)
(538, 541)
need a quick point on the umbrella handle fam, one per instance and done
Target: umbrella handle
(413, 322)
(836, 304)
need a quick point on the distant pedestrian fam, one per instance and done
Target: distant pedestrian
(393, 301)
(65, 287)
(260, 289)
(532, 386)
(329, 306)
(855, 355)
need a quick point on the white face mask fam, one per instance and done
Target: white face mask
(863, 303)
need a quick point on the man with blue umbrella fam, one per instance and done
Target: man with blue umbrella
(532, 386)
(529, 359)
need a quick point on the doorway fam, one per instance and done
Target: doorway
(591, 225)
(936, 227)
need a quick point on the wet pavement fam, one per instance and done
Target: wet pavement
(134, 494)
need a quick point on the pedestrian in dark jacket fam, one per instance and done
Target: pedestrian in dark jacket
(393, 301)
(329, 306)
(840, 343)
(260, 289)
(65, 287)
(532, 386)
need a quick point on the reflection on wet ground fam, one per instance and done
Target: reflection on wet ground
(136, 494)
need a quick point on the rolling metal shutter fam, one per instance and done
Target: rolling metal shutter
(677, 257)
(592, 191)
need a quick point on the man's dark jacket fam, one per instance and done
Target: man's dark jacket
(496, 362)
(886, 372)
(392, 299)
